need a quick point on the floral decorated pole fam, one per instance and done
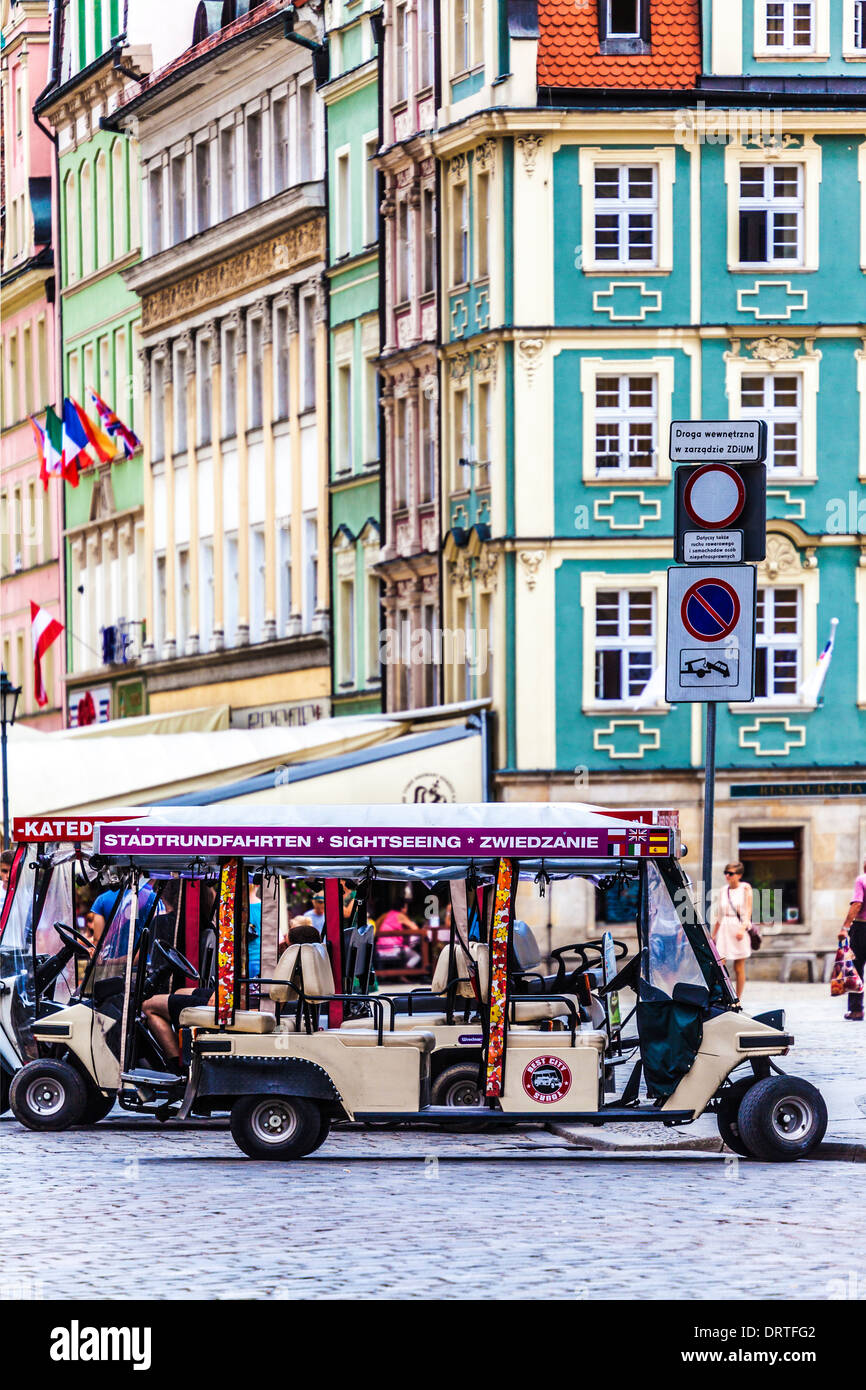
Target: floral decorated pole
(225, 994)
(506, 882)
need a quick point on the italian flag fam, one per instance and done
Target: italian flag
(43, 631)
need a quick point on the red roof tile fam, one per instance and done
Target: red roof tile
(568, 50)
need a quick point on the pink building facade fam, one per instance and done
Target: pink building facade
(30, 518)
(410, 563)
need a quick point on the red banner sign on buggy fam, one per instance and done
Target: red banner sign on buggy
(60, 829)
(385, 843)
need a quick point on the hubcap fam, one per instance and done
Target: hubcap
(792, 1118)
(45, 1096)
(463, 1093)
(273, 1122)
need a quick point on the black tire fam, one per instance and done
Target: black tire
(48, 1095)
(458, 1085)
(730, 1100)
(324, 1131)
(5, 1082)
(97, 1106)
(782, 1118)
(276, 1127)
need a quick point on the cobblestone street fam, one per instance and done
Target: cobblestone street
(133, 1210)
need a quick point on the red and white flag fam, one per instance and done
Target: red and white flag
(43, 631)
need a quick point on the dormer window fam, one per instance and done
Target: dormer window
(624, 26)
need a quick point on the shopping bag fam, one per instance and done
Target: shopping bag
(845, 978)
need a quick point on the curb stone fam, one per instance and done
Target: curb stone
(588, 1136)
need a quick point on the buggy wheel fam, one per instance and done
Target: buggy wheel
(48, 1095)
(726, 1114)
(782, 1118)
(4, 1091)
(97, 1106)
(324, 1131)
(459, 1086)
(276, 1127)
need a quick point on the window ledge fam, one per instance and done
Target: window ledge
(624, 46)
(620, 478)
(623, 707)
(770, 268)
(770, 707)
(795, 480)
(614, 268)
(791, 55)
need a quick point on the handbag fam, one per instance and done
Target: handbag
(845, 978)
(753, 931)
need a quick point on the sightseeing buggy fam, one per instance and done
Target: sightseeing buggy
(289, 1051)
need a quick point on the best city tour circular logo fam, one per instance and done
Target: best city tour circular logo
(546, 1079)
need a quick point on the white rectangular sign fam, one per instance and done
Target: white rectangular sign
(709, 441)
(713, 547)
(710, 633)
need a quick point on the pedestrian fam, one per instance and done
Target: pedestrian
(316, 913)
(854, 927)
(5, 870)
(254, 930)
(731, 927)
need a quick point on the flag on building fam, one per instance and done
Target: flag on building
(52, 443)
(811, 686)
(114, 426)
(97, 437)
(653, 693)
(39, 438)
(43, 631)
(75, 441)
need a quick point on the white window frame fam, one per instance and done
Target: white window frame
(854, 24)
(770, 205)
(623, 33)
(254, 112)
(342, 201)
(774, 415)
(808, 581)
(809, 156)
(809, 369)
(591, 584)
(663, 369)
(663, 159)
(370, 202)
(820, 45)
(772, 641)
(206, 145)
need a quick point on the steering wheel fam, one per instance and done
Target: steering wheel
(76, 941)
(176, 960)
(577, 950)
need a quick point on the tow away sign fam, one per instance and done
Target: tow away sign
(710, 634)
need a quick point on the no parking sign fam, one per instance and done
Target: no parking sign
(710, 633)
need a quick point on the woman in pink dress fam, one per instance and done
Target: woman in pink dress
(731, 927)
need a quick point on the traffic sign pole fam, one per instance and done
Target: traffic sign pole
(709, 807)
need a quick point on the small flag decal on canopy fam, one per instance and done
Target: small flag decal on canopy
(44, 629)
(811, 687)
(114, 426)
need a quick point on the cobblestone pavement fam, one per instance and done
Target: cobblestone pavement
(129, 1209)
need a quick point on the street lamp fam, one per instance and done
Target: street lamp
(8, 704)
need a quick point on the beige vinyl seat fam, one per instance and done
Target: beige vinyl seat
(307, 964)
(530, 1011)
(453, 963)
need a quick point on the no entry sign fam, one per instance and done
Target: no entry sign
(710, 633)
(720, 514)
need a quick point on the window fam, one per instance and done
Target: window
(626, 211)
(468, 34)
(231, 589)
(626, 421)
(71, 217)
(14, 385)
(778, 400)
(343, 211)
(202, 185)
(860, 24)
(178, 198)
(371, 411)
(306, 131)
(160, 601)
(778, 643)
(42, 364)
(103, 203)
(461, 439)
(401, 231)
(87, 220)
(157, 412)
(280, 129)
(772, 860)
(344, 418)
(207, 598)
(347, 632)
(281, 361)
(118, 202)
(256, 350)
(623, 18)
(257, 584)
(254, 158)
(401, 52)
(311, 570)
(27, 368)
(790, 25)
(625, 641)
(180, 435)
(428, 619)
(485, 433)
(401, 452)
(427, 445)
(229, 375)
(122, 382)
(426, 44)
(372, 626)
(771, 214)
(204, 390)
(154, 189)
(183, 599)
(308, 341)
(428, 234)
(482, 225)
(284, 575)
(460, 244)
(371, 191)
(227, 172)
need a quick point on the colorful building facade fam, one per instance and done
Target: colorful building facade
(652, 259)
(234, 360)
(351, 104)
(30, 517)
